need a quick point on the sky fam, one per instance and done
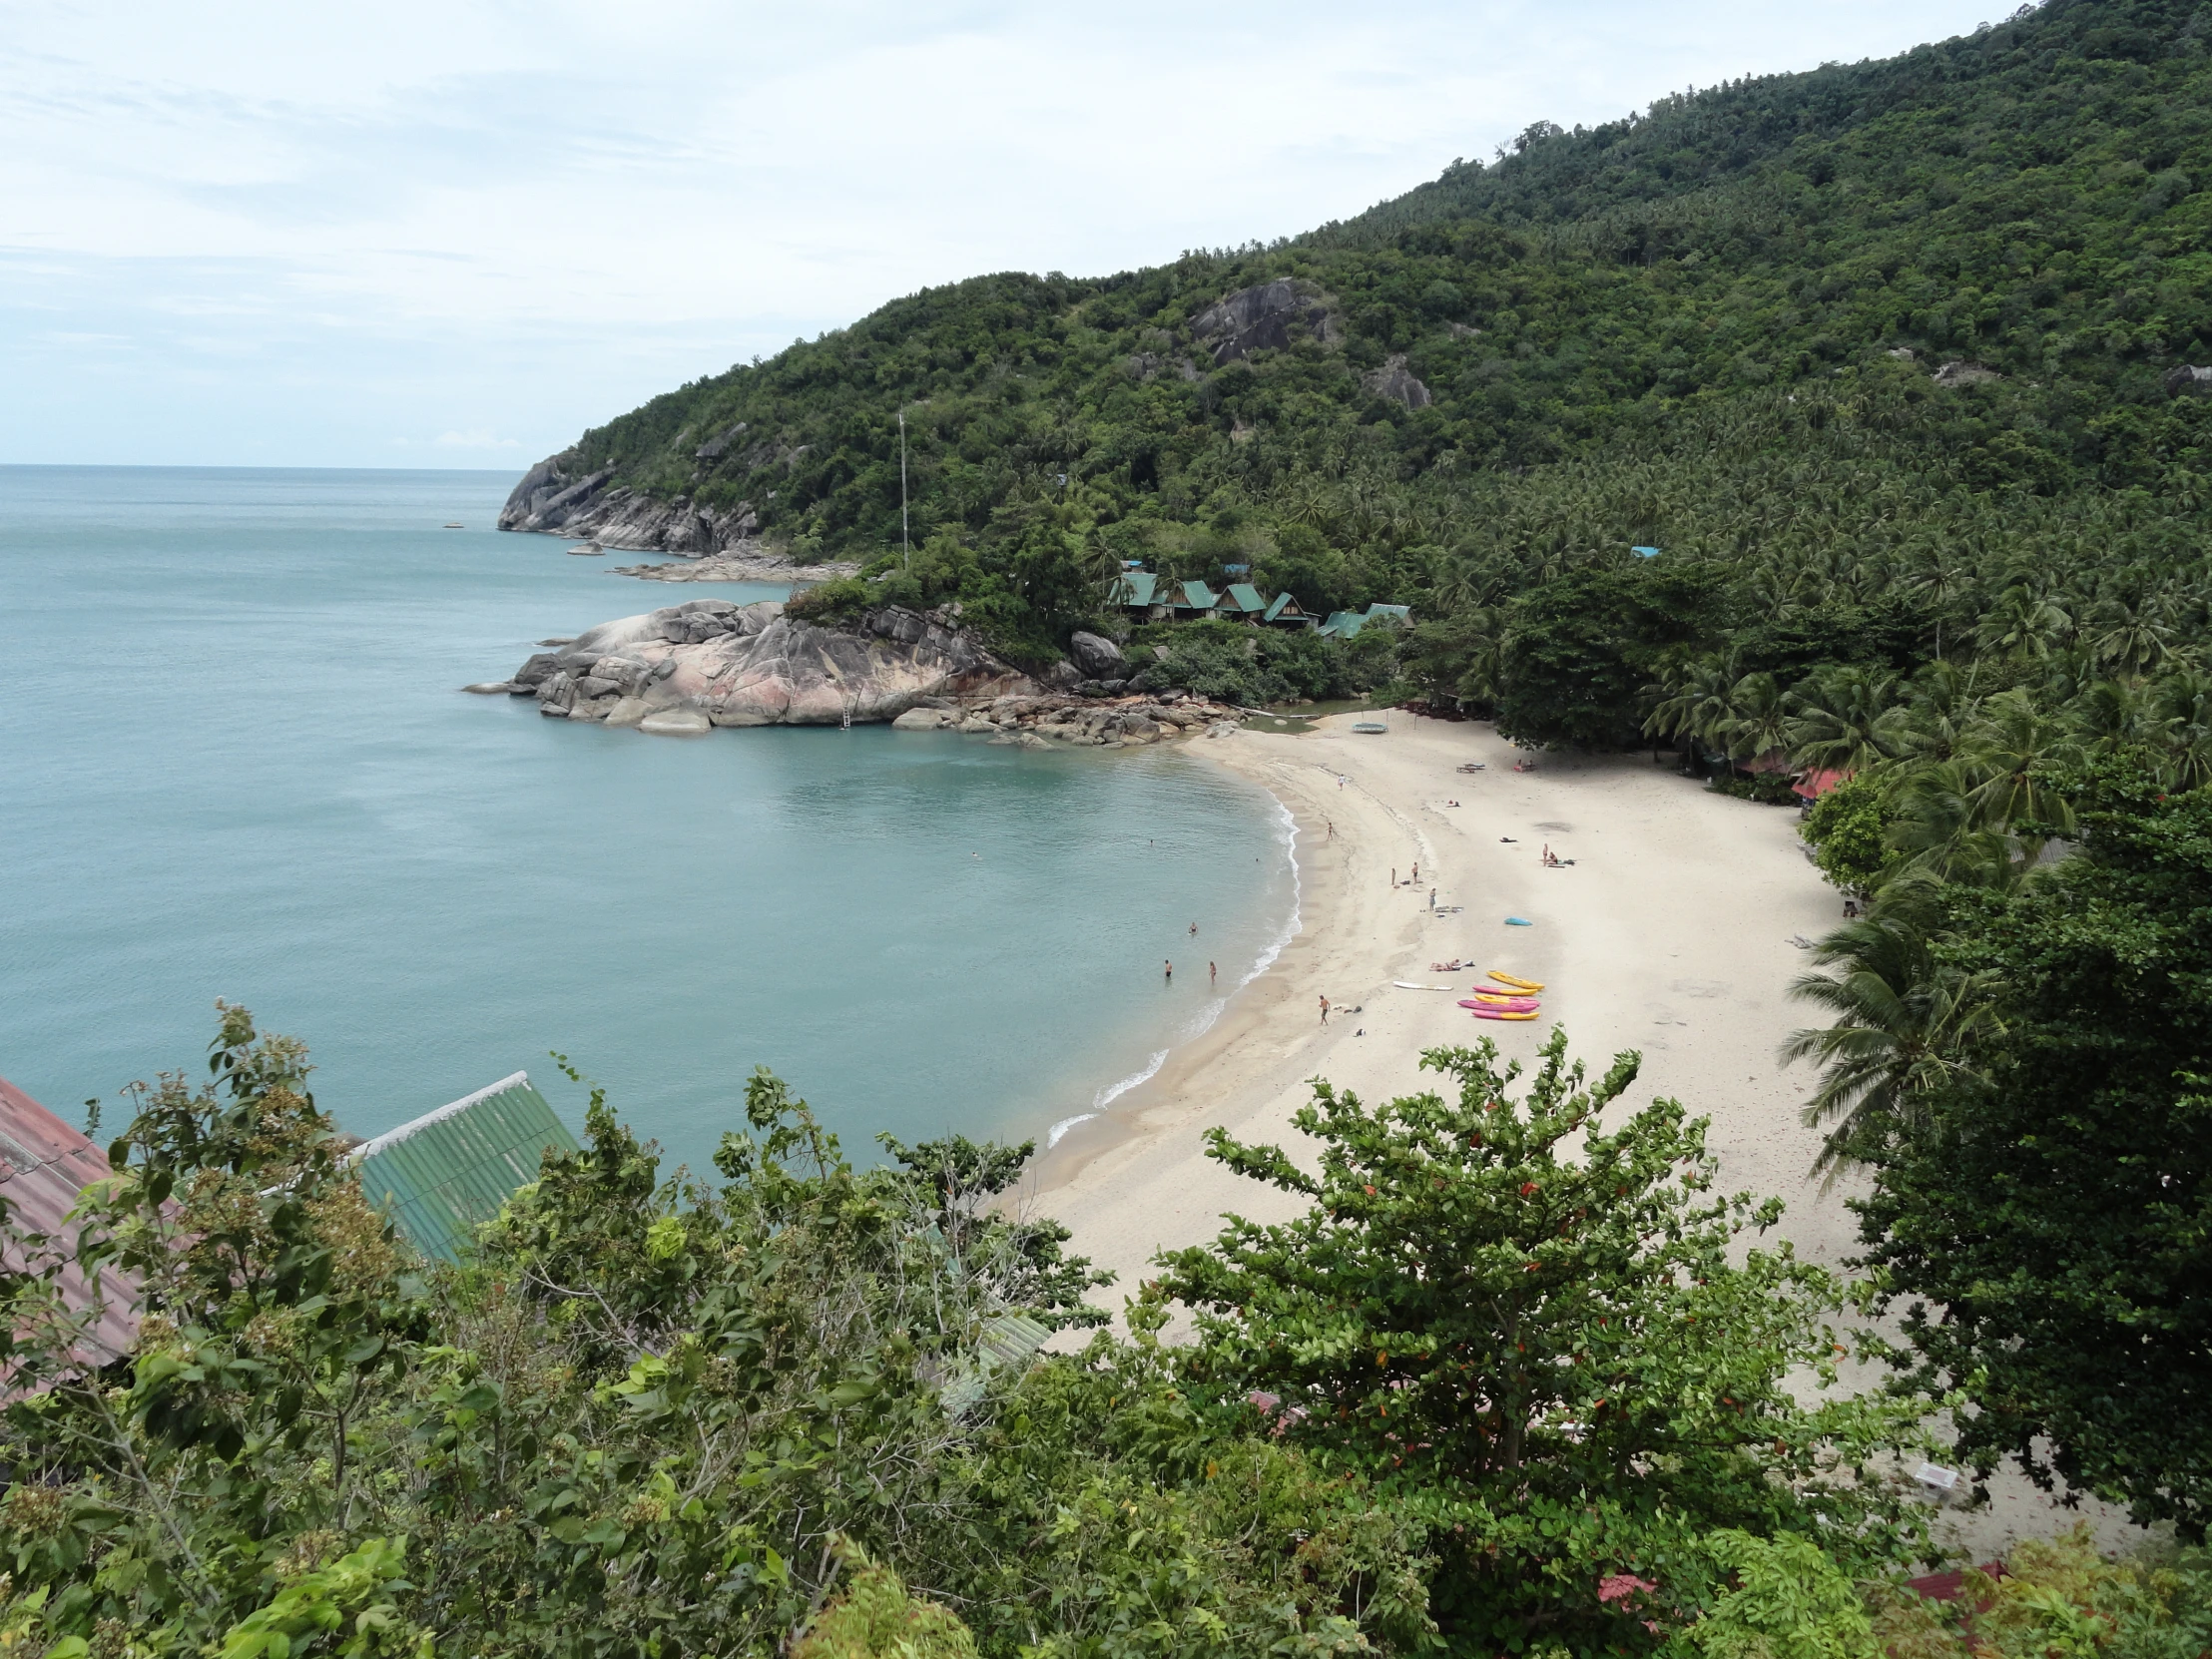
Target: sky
(456, 232)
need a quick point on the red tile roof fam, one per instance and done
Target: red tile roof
(1818, 781)
(44, 1165)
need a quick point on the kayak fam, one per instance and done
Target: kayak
(1503, 1013)
(1409, 985)
(1494, 999)
(1501, 1005)
(1517, 982)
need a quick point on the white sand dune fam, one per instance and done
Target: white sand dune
(1670, 933)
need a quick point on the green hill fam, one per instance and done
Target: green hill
(1720, 329)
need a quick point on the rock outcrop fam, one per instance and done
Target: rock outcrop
(710, 661)
(1259, 319)
(1397, 382)
(557, 497)
(751, 665)
(1965, 374)
(2188, 381)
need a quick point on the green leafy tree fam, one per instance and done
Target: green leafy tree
(1849, 831)
(2043, 1236)
(1544, 1339)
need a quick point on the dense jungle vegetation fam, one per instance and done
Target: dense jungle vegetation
(1673, 330)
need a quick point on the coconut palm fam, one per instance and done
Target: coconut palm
(1845, 720)
(1904, 1024)
(1759, 718)
(2011, 754)
(1694, 702)
(2183, 705)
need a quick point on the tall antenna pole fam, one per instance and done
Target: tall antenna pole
(905, 546)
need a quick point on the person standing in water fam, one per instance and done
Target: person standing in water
(1212, 973)
(1170, 974)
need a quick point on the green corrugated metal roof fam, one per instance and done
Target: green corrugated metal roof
(1283, 605)
(1403, 612)
(1342, 624)
(1008, 1342)
(1133, 587)
(445, 1174)
(1197, 596)
(1242, 596)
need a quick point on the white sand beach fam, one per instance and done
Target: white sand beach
(1670, 932)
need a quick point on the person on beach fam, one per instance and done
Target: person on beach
(1212, 973)
(1325, 1010)
(1394, 875)
(1431, 898)
(1417, 875)
(1170, 974)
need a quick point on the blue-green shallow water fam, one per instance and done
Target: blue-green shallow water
(234, 762)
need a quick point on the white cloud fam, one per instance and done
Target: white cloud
(463, 215)
(479, 438)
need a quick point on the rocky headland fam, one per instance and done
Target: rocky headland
(688, 668)
(557, 497)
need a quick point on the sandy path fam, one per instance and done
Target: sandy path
(1670, 933)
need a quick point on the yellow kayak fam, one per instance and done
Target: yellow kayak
(1501, 999)
(1517, 982)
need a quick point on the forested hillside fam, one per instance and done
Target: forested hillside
(1685, 329)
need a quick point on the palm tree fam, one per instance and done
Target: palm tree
(1759, 719)
(1845, 720)
(1904, 1024)
(1694, 702)
(2011, 753)
(2184, 715)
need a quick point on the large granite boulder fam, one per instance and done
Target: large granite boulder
(752, 664)
(2188, 381)
(1259, 319)
(1098, 659)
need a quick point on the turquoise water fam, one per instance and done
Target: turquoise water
(235, 763)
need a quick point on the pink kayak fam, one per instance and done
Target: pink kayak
(1505, 1013)
(1509, 1005)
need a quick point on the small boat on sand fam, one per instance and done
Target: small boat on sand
(1514, 981)
(1505, 1013)
(1523, 1006)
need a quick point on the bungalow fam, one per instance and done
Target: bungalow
(1187, 601)
(449, 1172)
(1286, 612)
(1403, 615)
(1241, 602)
(1133, 590)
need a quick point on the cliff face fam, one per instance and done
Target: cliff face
(556, 496)
(751, 665)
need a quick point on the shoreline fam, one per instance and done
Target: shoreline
(1670, 933)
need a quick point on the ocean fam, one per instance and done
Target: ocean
(237, 764)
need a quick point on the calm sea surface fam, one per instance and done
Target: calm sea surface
(235, 763)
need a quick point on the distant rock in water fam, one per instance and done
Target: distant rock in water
(751, 665)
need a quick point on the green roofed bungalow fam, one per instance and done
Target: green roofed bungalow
(1195, 599)
(1241, 600)
(1397, 613)
(1133, 590)
(1342, 625)
(1286, 611)
(445, 1174)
